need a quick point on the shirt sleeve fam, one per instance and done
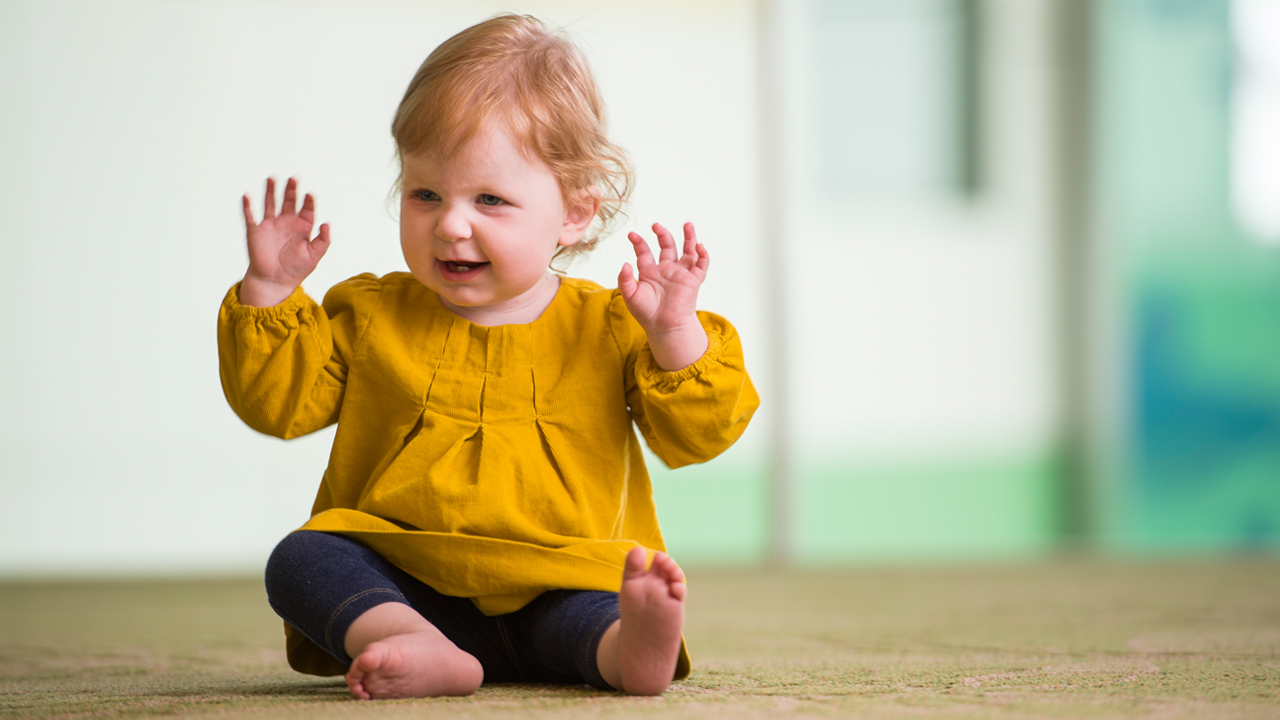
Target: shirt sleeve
(284, 368)
(693, 414)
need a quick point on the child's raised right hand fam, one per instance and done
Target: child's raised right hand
(281, 251)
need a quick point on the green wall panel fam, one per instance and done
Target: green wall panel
(937, 509)
(1201, 301)
(715, 513)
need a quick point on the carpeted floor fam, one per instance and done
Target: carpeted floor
(1085, 639)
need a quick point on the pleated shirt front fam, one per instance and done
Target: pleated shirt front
(493, 463)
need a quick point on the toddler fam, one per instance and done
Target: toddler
(485, 514)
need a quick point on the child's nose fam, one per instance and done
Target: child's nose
(453, 225)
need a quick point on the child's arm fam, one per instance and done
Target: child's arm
(665, 298)
(698, 399)
(280, 254)
(283, 359)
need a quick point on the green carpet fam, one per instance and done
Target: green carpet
(1062, 639)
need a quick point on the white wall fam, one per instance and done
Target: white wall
(130, 129)
(924, 325)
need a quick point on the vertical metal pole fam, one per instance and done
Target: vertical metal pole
(1076, 276)
(972, 97)
(771, 74)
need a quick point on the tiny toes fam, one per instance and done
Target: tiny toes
(679, 590)
(356, 688)
(668, 568)
(634, 563)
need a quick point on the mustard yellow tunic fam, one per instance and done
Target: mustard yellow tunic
(493, 463)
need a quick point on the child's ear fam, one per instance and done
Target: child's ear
(580, 214)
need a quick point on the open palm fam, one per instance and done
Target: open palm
(281, 251)
(665, 295)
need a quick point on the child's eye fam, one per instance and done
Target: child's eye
(426, 196)
(490, 200)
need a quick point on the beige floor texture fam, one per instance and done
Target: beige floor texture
(1058, 639)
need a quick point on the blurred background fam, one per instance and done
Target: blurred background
(1007, 271)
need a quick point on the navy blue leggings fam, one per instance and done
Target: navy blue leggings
(320, 583)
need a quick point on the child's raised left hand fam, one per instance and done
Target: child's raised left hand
(665, 297)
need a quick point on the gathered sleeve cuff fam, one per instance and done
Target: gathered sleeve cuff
(283, 368)
(288, 307)
(652, 378)
(693, 414)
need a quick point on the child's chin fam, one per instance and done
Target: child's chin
(467, 298)
(452, 293)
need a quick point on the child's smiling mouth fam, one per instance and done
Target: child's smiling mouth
(458, 271)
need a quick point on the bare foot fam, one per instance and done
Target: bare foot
(413, 665)
(398, 654)
(638, 653)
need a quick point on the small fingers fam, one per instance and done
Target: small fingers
(249, 223)
(644, 258)
(704, 262)
(320, 244)
(308, 213)
(666, 243)
(690, 239)
(290, 205)
(269, 202)
(627, 282)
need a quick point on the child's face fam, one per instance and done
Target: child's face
(481, 227)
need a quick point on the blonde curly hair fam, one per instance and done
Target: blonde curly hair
(513, 70)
